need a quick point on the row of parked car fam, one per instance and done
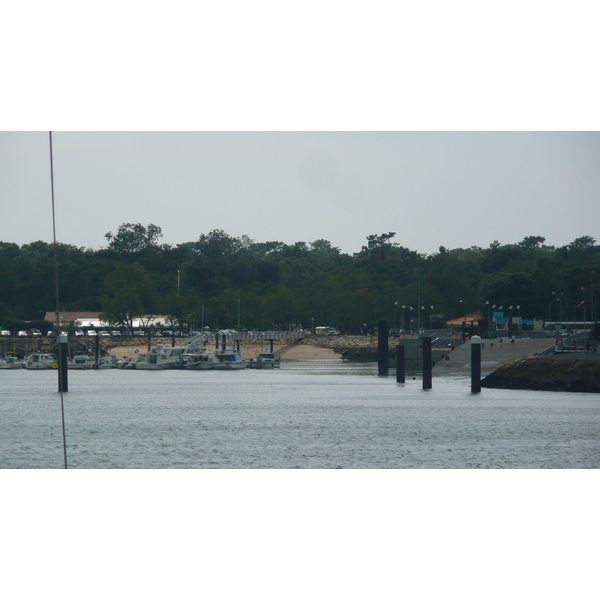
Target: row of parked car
(117, 333)
(29, 333)
(89, 333)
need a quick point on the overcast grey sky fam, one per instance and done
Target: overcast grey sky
(432, 189)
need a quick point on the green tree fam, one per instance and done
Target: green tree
(128, 293)
(133, 237)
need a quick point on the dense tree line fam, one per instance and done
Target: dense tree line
(219, 278)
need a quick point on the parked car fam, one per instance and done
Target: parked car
(79, 333)
(103, 333)
(22, 334)
(5, 332)
(36, 333)
(115, 333)
(156, 334)
(91, 333)
(138, 333)
(167, 333)
(52, 333)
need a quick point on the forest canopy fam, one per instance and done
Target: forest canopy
(278, 284)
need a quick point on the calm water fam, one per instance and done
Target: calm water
(305, 415)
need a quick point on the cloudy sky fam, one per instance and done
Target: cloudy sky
(431, 188)
(294, 125)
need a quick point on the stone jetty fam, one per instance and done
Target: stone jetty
(550, 373)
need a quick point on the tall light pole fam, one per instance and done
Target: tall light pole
(395, 307)
(421, 326)
(430, 309)
(561, 297)
(403, 322)
(550, 308)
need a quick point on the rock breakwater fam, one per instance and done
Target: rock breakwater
(355, 348)
(547, 374)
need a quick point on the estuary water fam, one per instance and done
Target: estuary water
(312, 415)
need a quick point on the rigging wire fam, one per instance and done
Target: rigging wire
(60, 358)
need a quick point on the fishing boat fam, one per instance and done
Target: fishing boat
(80, 362)
(200, 360)
(10, 362)
(162, 357)
(229, 359)
(265, 360)
(39, 361)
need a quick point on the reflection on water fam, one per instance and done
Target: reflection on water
(322, 414)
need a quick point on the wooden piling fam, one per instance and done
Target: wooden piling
(400, 368)
(63, 357)
(475, 364)
(427, 363)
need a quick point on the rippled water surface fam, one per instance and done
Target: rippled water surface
(304, 415)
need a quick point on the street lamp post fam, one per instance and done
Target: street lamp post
(430, 309)
(395, 307)
(550, 308)
(561, 298)
(403, 322)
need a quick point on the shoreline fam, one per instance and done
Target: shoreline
(286, 352)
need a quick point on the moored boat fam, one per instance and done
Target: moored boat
(11, 362)
(80, 362)
(265, 360)
(40, 361)
(162, 357)
(200, 360)
(229, 359)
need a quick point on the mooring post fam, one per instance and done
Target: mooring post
(475, 364)
(271, 342)
(382, 346)
(217, 341)
(427, 364)
(237, 343)
(97, 353)
(224, 342)
(63, 357)
(400, 371)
